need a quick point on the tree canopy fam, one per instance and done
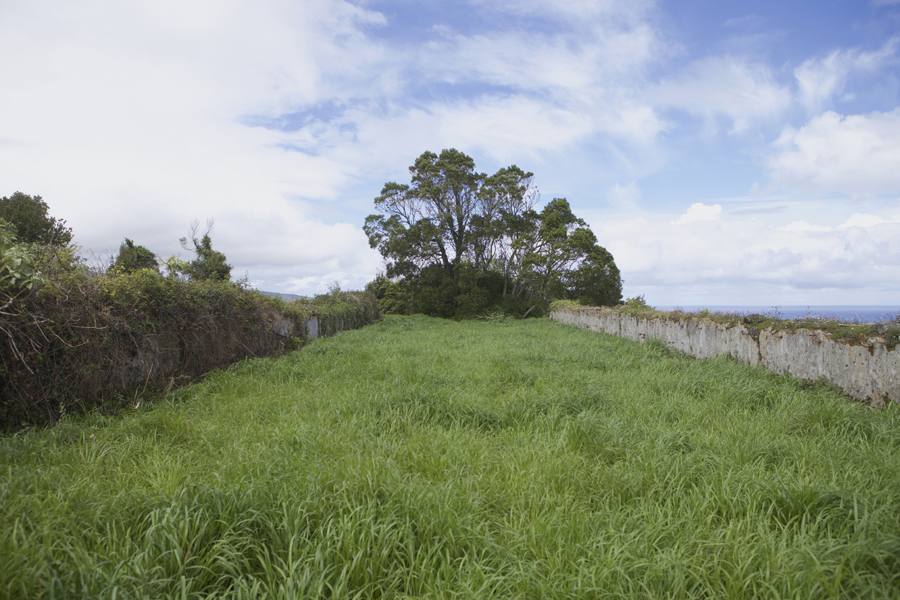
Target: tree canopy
(28, 214)
(456, 240)
(208, 264)
(132, 258)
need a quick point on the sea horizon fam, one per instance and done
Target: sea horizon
(851, 313)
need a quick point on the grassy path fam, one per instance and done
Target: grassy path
(426, 458)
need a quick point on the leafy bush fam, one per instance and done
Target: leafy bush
(18, 262)
(132, 258)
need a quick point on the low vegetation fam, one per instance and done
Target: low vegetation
(491, 459)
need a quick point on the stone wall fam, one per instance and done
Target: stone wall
(869, 372)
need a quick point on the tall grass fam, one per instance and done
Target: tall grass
(428, 458)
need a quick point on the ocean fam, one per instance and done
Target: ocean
(846, 313)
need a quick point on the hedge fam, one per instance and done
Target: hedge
(102, 342)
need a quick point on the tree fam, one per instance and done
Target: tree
(209, 264)
(458, 241)
(596, 282)
(28, 214)
(448, 214)
(132, 258)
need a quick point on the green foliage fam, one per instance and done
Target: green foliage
(394, 297)
(209, 264)
(176, 268)
(340, 311)
(28, 214)
(563, 304)
(18, 263)
(462, 243)
(637, 307)
(485, 459)
(132, 258)
(596, 282)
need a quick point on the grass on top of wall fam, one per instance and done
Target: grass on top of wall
(492, 459)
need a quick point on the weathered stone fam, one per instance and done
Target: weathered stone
(866, 372)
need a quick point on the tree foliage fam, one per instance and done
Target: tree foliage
(28, 214)
(208, 264)
(457, 242)
(18, 263)
(133, 258)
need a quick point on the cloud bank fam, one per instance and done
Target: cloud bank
(282, 120)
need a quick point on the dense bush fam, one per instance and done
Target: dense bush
(436, 294)
(132, 258)
(99, 342)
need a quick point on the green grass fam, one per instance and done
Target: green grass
(428, 458)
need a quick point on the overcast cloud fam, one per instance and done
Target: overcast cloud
(724, 155)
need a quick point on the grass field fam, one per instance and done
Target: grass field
(435, 459)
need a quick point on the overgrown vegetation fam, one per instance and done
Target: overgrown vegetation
(88, 342)
(839, 331)
(435, 459)
(133, 258)
(76, 339)
(459, 243)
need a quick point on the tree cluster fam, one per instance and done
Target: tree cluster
(458, 242)
(31, 241)
(32, 225)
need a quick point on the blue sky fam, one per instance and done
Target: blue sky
(724, 152)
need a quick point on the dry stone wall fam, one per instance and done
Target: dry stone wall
(868, 372)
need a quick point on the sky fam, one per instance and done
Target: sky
(725, 153)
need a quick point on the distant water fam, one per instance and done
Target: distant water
(849, 314)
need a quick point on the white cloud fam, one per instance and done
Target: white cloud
(819, 79)
(578, 10)
(752, 260)
(590, 77)
(133, 119)
(724, 86)
(503, 126)
(862, 220)
(699, 212)
(125, 119)
(803, 226)
(855, 220)
(625, 197)
(856, 154)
